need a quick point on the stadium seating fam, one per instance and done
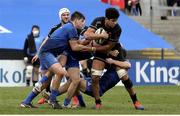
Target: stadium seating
(168, 29)
(153, 53)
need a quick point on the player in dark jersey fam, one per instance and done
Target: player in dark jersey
(111, 37)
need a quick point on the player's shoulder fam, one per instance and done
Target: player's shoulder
(117, 27)
(57, 26)
(68, 25)
(99, 20)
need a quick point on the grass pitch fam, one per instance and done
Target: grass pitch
(156, 100)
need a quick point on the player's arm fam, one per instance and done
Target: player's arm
(36, 56)
(105, 48)
(122, 64)
(84, 42)
(112, 40)
(91, 35)
(75, 46)
(63, 89)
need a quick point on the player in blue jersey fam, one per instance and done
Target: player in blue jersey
(64, 38)
(64, 16)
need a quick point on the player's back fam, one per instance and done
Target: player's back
(108, 80)
(60, 37)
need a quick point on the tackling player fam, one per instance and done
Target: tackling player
(110, 78)
(64, 16)
(58, 42)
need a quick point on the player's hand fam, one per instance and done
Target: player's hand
(34, 58)
(114, 53)
(110, 60)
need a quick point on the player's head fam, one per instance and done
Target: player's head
(64, 15)
(78, 19)
(112, 15)
(35, 31)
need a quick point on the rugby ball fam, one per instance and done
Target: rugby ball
(100, 31)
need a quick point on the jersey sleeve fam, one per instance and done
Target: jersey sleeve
(53, 29)
(94, 24)
(72, 34)
(114, 37)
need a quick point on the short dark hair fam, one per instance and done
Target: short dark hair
(77, 15)
(112, 13)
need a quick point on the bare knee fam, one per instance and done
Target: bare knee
(76, 81)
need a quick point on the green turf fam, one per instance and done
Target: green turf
(156, 100)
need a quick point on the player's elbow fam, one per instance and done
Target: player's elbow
(75, 48)
(87, 35)
(128, 65)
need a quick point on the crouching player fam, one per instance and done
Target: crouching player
(109, 79)
(115, 72)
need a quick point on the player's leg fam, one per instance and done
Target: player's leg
(45, 95)
(80, 99)
(57, 69)
(129, 87)
(36, 90)
(123, 75)
(62, 59)
(97, 70)
(74, 75)
(84, 66)
(50, 63)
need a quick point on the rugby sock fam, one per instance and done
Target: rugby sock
(66, 101)
(134, 98)
(53, 95)
(30, 97)
(44, 79)
(81, 101)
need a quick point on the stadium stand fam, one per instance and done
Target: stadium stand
(153, 54)
(163, 25)
(168, 29)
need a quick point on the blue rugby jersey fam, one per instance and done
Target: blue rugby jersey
(59, 39)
